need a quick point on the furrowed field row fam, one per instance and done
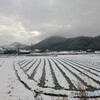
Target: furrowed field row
(85, 65)
(84, 69)
(60, 73)
(85, 75)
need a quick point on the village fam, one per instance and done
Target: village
(44, 52)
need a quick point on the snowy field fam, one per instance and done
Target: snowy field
(49, 78)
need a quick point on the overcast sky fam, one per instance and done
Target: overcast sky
(29, 21)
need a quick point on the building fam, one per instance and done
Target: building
(24, 52)
(2, 50)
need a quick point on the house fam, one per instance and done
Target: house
(90, 51)
(24, 52)
(37, 51)
(2, 50)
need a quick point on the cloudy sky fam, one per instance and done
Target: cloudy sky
(29, 21)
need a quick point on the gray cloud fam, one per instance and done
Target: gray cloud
(29, 21)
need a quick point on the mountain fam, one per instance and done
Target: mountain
(15, 45)
(48, 42)
(57, 43)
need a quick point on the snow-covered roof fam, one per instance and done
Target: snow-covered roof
(24, 51)
(1, 49)
(36, 50)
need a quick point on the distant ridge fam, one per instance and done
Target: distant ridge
(15, 46)
(57, 43)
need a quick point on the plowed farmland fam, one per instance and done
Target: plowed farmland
(64, 77)
(60, 75)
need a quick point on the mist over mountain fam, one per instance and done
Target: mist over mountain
(58, 43)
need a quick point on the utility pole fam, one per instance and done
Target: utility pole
(31, 48)
(18, 49)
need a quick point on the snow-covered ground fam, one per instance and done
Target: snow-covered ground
(10, 87)
(22, 77)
